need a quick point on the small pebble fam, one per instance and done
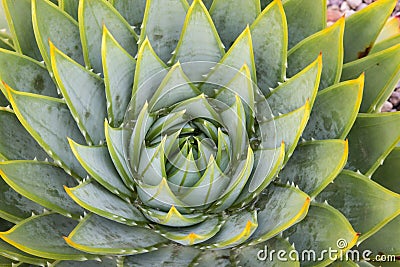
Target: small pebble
(354, 3)
(333, 14)
(387, 106)
(344, 7)
(368, 1)
(395, 98)
(348, 13)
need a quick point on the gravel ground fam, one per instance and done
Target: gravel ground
(338, 8)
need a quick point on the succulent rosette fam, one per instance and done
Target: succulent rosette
(182, 133)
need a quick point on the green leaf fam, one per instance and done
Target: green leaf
(173, 218)
(42, 183)
(11, 252)
(199, 41)
(220, 258)
(105, 261)
(280, 207)
(162, 25)
(384, 241)
(236, 230)
(288, 129)
(19, 17)
(45, 15)
(207, 3)
(149, 73)
(335, 232)
(172, 255)
(382, 73)
(15, 141)
(329, 42)
(292, 94)
(370, 141)
(15, 207)
(384, 175)
(304, 18)
(270, 37)
(84, 94)
(259, 255)
(116, 150)
(49, 121)
(118, 67)
(96, 199)
(25, 74)
(389, 30)
(262, 174)
(335, 110)
(174, 88)
(97, 162)
(315, 164)
(344, 195)
(98, 235)
(42, 236)
(70, 6)
(93, 16)
(131, 10)
(363, 28)
(231, 17)
(193, 234)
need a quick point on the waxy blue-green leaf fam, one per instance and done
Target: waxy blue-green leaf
(329, 42)
(363, 28)
(236, 230)
(112, 207)
(173, 217)
(95, 234)
(15, 207)
(42, 236)
(174, 88)
(131, 10)
(335, 110)
(335, 231)
(378, 243)
(207, 3)
(11, 252)
(70, 6)
(292, 94)
(231, 17)
(25, 74)
(199, 41)
(49, 121)
(42, 183)
(384, 174)
(115, 145)
(288, 127)
(239, 55)
(84, 94)
(171, 255)
(105, 261)
(19, 17)
(118, 68)
(260, 255)
(382, 73)
(97, 162)
(270, 37)
(52, 23)
(344, 195)
(279, 208)
(370, 141)
(192, 235)
(304, 18)
(315, 164)
(15, 142)
(149, 73)
(162, 25)
(93, 16)
(385, 44)
(220, 257)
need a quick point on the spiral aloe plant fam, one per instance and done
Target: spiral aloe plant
(182, 133)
